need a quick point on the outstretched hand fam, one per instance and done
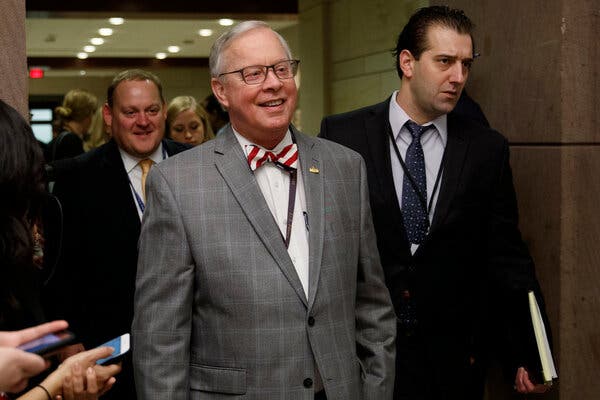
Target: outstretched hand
(82, 379)
(16, 338)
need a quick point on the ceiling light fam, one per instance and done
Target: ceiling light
(161, 56)
(82, 55)
(82, 72)
(97, 41)
(225, 22)
(116, 21)
(89, 48)
(173, 49)
(105, 31)
(205, 32)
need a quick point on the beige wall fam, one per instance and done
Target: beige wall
(346, 51)
(13, 69)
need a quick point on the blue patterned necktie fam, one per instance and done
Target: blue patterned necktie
(414, 212)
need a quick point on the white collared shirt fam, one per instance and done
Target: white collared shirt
(134, 171)
(274, 184)
(433, 142)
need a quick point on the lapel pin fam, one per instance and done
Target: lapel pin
(314, 170)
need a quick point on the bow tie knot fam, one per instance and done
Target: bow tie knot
(286, 158)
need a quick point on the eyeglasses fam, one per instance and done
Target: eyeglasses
(257, 74)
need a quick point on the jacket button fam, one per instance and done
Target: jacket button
(308, 383)
(311, 321)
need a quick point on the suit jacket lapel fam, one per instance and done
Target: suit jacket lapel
(117, 178)
(233, 167)
(311, 166)
(378, 129)
(454, 159)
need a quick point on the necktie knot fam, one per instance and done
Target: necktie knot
(286, 158)
(145, 165)
(415, 129)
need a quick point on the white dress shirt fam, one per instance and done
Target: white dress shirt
(433, 142)
(274, 184)
(134, 171)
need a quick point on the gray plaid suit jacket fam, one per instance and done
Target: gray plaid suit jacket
(220, 312)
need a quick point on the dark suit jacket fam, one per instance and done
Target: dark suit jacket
(93, 285)
(473, 249)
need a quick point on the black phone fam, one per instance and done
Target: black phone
(48, 343)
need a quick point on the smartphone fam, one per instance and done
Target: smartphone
(48, 343)
(121, 346)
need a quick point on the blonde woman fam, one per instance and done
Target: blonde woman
(74, 118)
(187, 121)
(98, 132)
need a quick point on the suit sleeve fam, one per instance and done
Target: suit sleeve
(62, 293)
(511, 275)
(163, 297)
(323, 132)
(375, 317)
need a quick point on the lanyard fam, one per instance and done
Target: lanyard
(291, 198)
(422, 197)
(291, 202)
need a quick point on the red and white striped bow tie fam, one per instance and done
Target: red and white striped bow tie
(288, 157)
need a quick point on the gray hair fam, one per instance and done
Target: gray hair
(216, 52)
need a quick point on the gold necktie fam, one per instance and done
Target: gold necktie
(145, 164)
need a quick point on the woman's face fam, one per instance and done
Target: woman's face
(187, 127)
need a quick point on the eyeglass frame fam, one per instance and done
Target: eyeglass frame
(266, 68)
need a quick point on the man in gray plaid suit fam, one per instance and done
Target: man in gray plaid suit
(258, 273)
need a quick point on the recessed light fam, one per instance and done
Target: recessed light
(97, 41)
(205, 32)
(82, 55)
(89, 48)
(173, 49)
(161, 56)
(225, 22)
(105, 31)
(116, 21)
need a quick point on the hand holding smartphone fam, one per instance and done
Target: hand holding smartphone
(48, 343)
(121, 346)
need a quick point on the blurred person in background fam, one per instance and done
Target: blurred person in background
(102, 194)
(98, 132)
(74, 118)
(22, 188)
(188, 122)
(217, 115)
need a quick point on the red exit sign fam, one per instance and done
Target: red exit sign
(36, 73)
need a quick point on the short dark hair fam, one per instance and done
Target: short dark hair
(133, 75)
(414, 35)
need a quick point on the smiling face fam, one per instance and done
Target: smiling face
(261, 113)
(432, 84)
(187, 127)
(137, 117)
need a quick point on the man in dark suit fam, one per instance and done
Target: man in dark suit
(445, 214)
(103, 201)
